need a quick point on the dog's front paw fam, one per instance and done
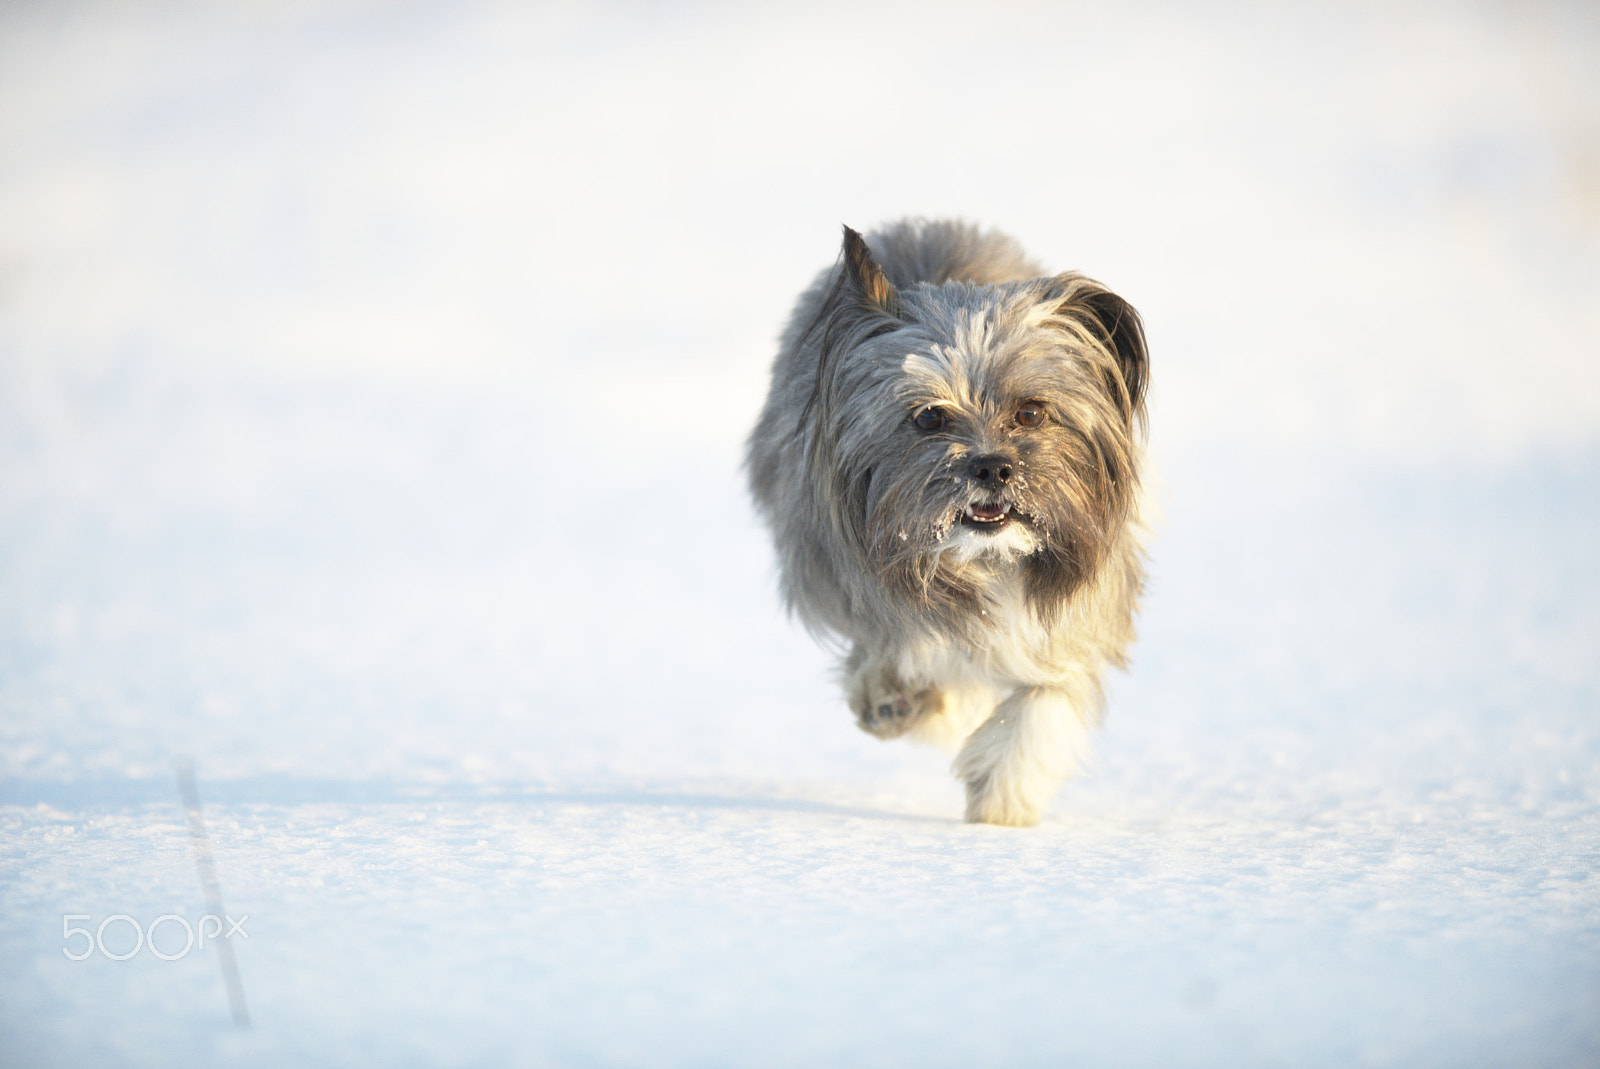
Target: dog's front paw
(1018, 758)
(887, 716)
(884, 707)
(990, 803)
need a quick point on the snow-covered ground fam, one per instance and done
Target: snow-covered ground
(372, 383)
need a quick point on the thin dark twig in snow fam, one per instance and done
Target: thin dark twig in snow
(206, 867)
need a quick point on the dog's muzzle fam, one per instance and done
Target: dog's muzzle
(989, 474)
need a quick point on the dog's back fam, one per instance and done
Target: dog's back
(939, 251)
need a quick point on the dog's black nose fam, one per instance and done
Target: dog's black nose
(992, 470)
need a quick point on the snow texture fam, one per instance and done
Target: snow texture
(372, 384)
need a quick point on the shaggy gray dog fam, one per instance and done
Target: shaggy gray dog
(949, 462)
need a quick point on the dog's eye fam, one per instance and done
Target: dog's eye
(929, 419)
(1031, 414)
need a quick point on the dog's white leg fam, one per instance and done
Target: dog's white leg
(1017, 758)
(883, 704)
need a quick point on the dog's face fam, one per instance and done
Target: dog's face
(962, 427)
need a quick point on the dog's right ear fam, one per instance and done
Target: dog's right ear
(865, 278)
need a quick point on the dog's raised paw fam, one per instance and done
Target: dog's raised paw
(888, 712)
(887, 717)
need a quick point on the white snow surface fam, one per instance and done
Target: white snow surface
(373, 378)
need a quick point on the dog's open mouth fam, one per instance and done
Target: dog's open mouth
(987, 516)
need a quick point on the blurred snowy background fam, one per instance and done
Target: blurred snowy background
(372, 385)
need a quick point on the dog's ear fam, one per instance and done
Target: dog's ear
(1124, 331)
(1118, 326)
(865, 278)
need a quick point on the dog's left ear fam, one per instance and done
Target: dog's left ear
(1119, 327)
(1125, 332)
(866, 278)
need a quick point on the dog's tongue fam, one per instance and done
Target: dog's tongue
(987, 512)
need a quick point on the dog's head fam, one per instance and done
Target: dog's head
(959, 428)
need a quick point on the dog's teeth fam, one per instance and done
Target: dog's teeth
(972, 514)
